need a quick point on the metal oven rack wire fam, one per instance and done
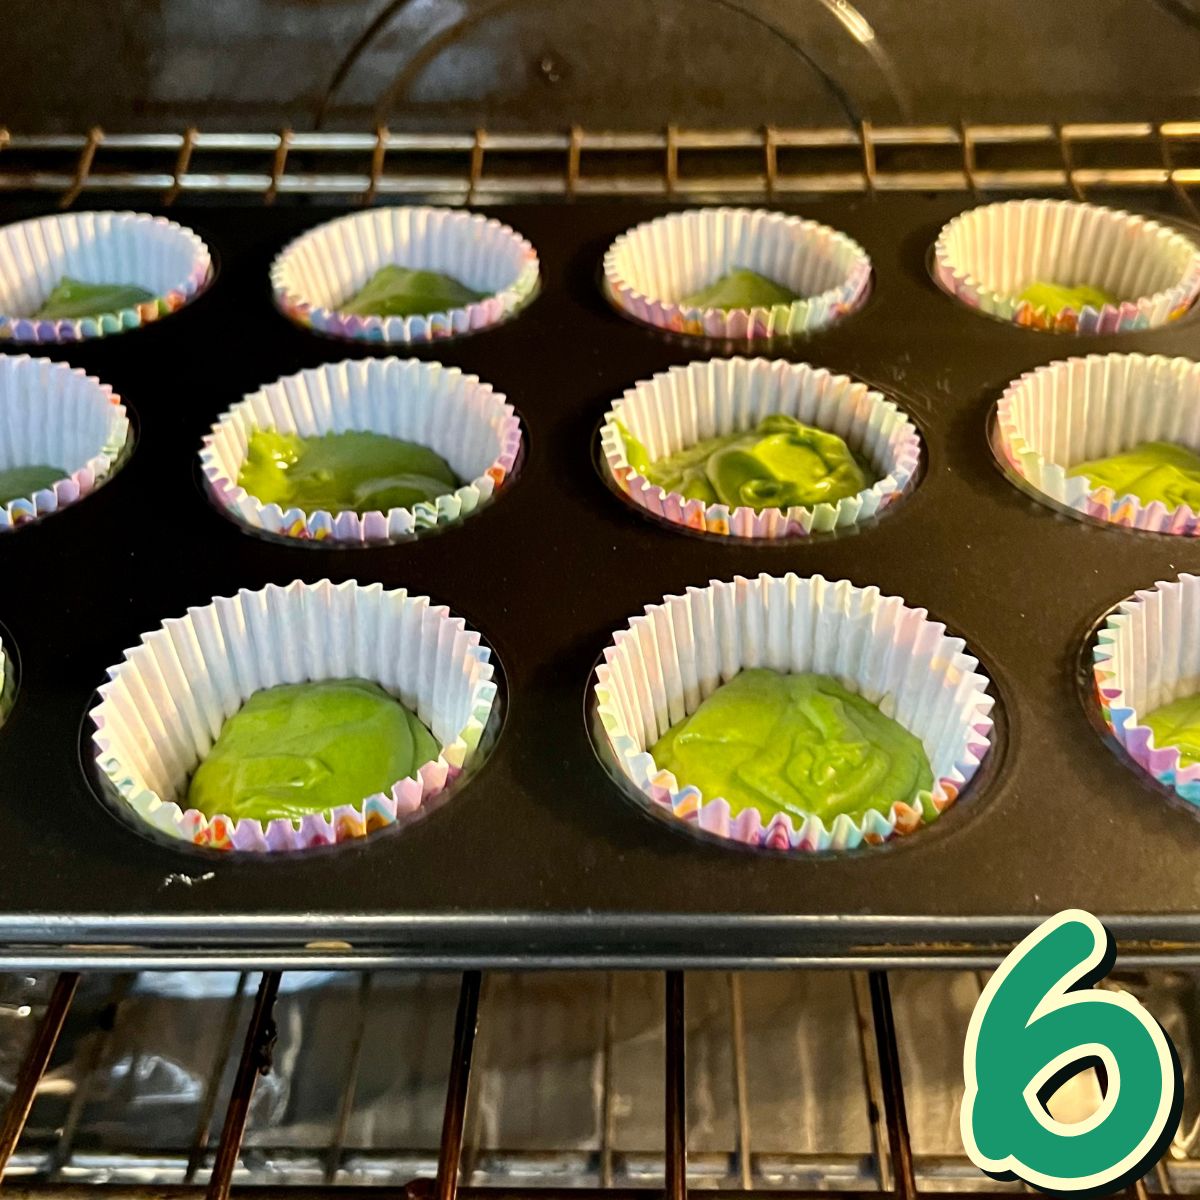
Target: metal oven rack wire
(685, 164)
(478, 167)
(880, 1066)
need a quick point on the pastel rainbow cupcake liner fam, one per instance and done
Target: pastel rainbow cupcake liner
(326, 266)
(649, 269)
(55, 414)
(664, 663)
(166, 701)
(457, 415)
(1080, 409)
(1147, 654)
(153, 253)
(986, 256)
(685, 405)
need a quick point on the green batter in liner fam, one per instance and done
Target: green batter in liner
(19, 483)
(395, 291)
(798, 744)
(72, 299)
(356, 471)
(781, 463)
(741, 288)
(307, 748)
(1151, 471)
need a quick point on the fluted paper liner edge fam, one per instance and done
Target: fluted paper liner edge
(323, 267)
(660, 667)
(684, 405)
(651, 267)
(164, 704)
(454, 414)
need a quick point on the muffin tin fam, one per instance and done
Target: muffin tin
(540, 857)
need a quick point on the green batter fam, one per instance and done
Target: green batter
(72, 299)
(18, 483)
(355, 471)
(307, 748)
(741, 288)
(797, 744)
(1151, 471)
(1054, 297)
(1178, 724)
(778, 464)
(395, 291)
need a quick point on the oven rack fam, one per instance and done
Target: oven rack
(689, 164)
(212, 1172)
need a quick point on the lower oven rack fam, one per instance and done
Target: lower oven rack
(219, 1158)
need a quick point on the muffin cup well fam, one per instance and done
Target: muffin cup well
(1145, 655)
(55, 414)
(324, 267)
(454, 414)
(986, 256)
(1080, 409)
(686, 405)
(153, 253)
(651, 268)
(659, 669)
(166, 701)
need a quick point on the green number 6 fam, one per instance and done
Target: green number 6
(1038, 1023)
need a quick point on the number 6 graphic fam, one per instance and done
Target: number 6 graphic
(1038, 1023)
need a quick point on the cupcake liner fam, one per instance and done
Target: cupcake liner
(461, 418)
(97, 247)
(327, 265)
(986, 256)
(165, 702)
(659, 669)
(685, 405)
(1147, 654)
(1080, 409)
(55, 414)
(649, 269)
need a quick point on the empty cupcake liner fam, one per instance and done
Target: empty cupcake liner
(659, 669)
(1080, 409)
(985, 257)
(454, 414)
(55, 415)
(651, 268)
(329, 264)
(688, 404)
(1147, 654)
(166, 701)
(96, 247)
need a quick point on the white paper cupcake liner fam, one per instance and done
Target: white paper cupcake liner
(659, 669)
(651, 268)
(1081, 409)
(688, 404)
(167, 699)
(467, 423)
(148, 252)
(1147, 654)
(326, 266)
(985, 257)
(56, 415)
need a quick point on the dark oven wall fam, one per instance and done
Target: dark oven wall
(527, 64)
